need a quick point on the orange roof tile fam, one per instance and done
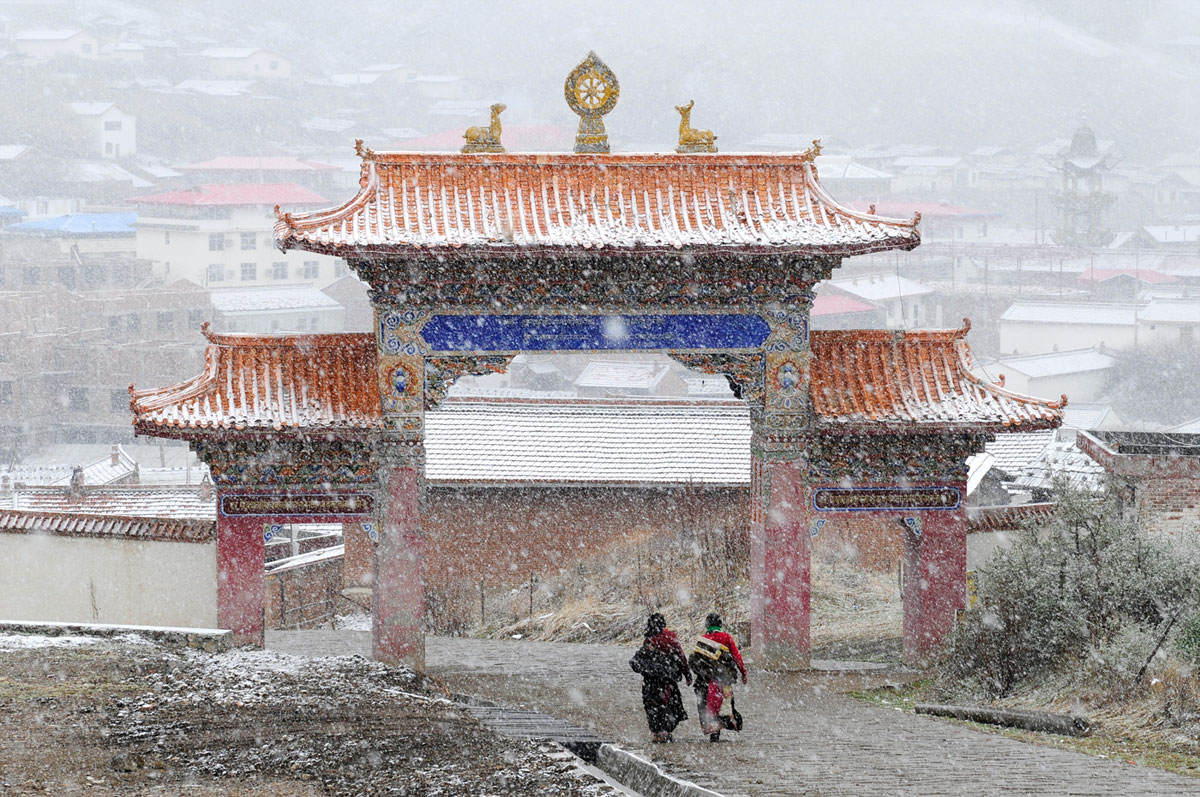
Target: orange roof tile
(279, 382)
(497, 203)
(882, 380)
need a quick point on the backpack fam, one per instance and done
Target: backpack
(711, 661)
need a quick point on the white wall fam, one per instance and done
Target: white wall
(1030, 337)
(105, 580)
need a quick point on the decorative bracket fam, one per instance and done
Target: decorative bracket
(441, 372)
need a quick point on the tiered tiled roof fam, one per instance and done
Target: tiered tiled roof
(277, 382)
(883, 380)
(563, 202)
(83, 525)
(862, 381)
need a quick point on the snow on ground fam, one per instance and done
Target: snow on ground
(30, 641)
(353, 622)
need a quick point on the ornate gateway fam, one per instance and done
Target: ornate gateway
(710, 258)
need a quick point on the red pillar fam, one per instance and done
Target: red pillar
(240, 577)
(779, 566)
(935, 580)
(398, 602)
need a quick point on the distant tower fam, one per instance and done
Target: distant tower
(1082, 202)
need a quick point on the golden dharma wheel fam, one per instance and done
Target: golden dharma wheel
(591, 88)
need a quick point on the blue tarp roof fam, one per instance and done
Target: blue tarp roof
(79, 224)
(11, 213)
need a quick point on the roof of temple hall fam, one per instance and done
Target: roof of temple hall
(862, 381)
(885, 380)
(270, 383)
(497, 203)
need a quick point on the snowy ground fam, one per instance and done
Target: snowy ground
(128, 716)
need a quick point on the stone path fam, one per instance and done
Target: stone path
(803, 736)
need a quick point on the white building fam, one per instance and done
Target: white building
(56, 43)
(276, 308)
(907, 303)
(222, 236)
(113, 132)
(1080, 374)
(1031, 327)
(247, 63)
(1169, 321)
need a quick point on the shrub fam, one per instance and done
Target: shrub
(1085, 591)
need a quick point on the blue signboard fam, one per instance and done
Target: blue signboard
(585, 332)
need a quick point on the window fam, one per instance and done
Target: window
(77, 399)
(112, 125)
(340, 270)
(279, 270)
(249, 241)
(133, 322)
(273, 65)
(33, 275)
(216, 242)
(6, 396)
(118, 400)
(1187, 334)
(85, 48)
(108, 148)
(167, 237)
(302, 323)
(249, 272)
(43, 206)
(166, 321)
(312, 269)
(216, 273)
(195, 318)
(114, 323)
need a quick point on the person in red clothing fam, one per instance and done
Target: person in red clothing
(661, 663)
(715, 679)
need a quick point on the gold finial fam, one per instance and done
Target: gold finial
(812, 152)
(591, 91)
(691, 139)
(365, 153)
(485, 139)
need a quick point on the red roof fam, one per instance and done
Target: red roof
(928, 210)
(257, 163)
(862, 381)
(479, 205)
(277, 382)
(884, 380)
(836, 304)
(237, 194)
(1145, 275)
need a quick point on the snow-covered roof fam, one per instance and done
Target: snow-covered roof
(1085, 313)
(269, 298)
(1056, 363)
(47, 35)
(1173, 234)
(12, 151)
(81, 524)
(90, 108)
(705, 443)
(235, 194)
(1090, 415)
(1172, 311)
(1062, 460)
(229, 52)
(881, 287)
(1015, 452)
(481, 204)
(105, 471)
(216, 88)
(130, 501)
(617, 375)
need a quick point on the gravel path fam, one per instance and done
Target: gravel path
(803, 736)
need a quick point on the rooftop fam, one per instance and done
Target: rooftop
(480, 204)
(78, 224)
(1172, 311)
(880, 287)
(621, 375)
(705, 443)
(836, 304)
(1071, 313)
(131, 501)
(271, 297)
(77, 524)
(928, 210)
(1055, 363)
(234, 194)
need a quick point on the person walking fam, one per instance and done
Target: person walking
(661, 663)
(716, 662)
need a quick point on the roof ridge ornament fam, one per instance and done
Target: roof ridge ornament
(691, 139)
(485, 139)
(810, 154)
(366, 153)
(591, 90)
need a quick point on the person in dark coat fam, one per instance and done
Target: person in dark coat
(661, 663)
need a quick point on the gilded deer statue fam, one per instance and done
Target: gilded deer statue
(691, 139)
(485, 139)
